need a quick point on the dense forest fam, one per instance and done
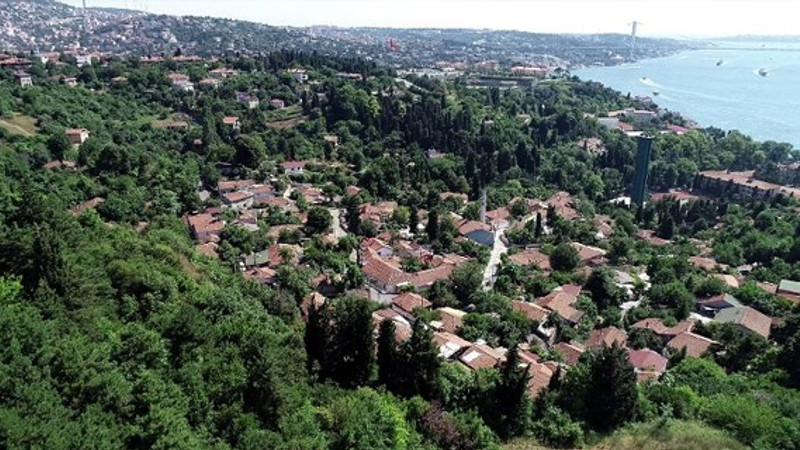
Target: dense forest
(119, 333)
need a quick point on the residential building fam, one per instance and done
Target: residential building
(237, 200)
(227, 186)
(789, 290)
(450, 319)
(532, 311)
(277, 103)
(406, 303)
(743, 184)
(695, 345)
(24, 79)
(205, 227)
(212, 83)
(449, 344)
(747, 319)
(561, 301)
(647, 360)
(299, 75)
(183, 86)
(83, 60)
(481, 356)
(294, 167)
(590, 256)
(607, 337)
(77, 136)
(249, 100)
(70, 81)
(531, 257)
(571, 353)
(232, 122)
(713, 305)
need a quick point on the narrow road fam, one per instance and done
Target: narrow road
(498, 250)
(338, 231)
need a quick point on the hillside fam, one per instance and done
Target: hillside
(674, 435)
(52, 26)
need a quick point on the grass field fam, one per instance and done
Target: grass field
(673, 435)
(18, 124)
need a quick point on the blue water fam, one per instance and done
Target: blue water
(732, 96)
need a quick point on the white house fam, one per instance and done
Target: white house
(293, 167)
(77, 136)
(299, 75)
(237, 200)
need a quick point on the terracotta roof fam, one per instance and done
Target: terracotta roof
(260, 274)
(290, 165)
(531, 310)
(729, 280)
(498, 214)
(747, 178)
(451, 319)
(409, 301)
(448, 343)
(480, 356)
(531, 256)
(234, 185)
(570, 352)
(605, 337)
(658, 327)
(463, 198)
(470, 226)
(694, 344)
(748, 318)
(315, 298)
(647, 360)
(650, 237)
(204, 224)
(235, 197)
(561, 301)
(209, 249)
(352, 191)
(588, 254)
(59, 165)
(230, 120)
(540, 376)
(709, 264)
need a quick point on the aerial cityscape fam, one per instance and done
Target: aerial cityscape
(220, 233)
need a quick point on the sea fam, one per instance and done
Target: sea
(720, 87)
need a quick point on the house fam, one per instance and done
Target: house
(499, 217)
(707, 264)
(712, 305)
(571, 353)
(352, 191)
(592, 145)
(212, 83)
(729, 280)
(476, 232)
(227, 186)
(208, 249)
(183, 86)
(406, 303)
(263, 275)
(65, 165)
(232, 122)
(531, 257)
(377, 214)
(77, 136)
(205, 227)
(480, 356)
(607, 337)
(788, 289)
(237, 200)
(650, 237)
(746, 318)
(277, 103)
(261, 193)
(647, 360)
(331, 139)
(274, 256)
(590, 256)
(24, 79)
(83, 60)
(293, 167)
(449, 344)
(313, 300)
(462, 199)
(563, 204)
(532, 311)
(540, 376)
(661, 330)
(386, 276)
(251, 101)
(222, 72)
(299, 75)
(70, 81)
(743, 184)
(560, 301)
(450, 319)
(402, 328)
(695, 345)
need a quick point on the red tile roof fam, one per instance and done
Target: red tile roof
(588, 254)
(647, 360)
(234, 185)
(540, 376)
(658, 327)
(531, 310)
(230, 120)
(451, 319)
(409, 301)
(694, 344)
(470, 226)
(480, 356)
(570, 352)
(605, 337)
(748, 318)
(561, 301)
(531, 256)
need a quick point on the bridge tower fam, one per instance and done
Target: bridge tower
(634, 27)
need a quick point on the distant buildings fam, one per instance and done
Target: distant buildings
(742, 184)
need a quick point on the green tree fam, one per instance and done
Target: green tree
(512, 404)
(59, 145)
(611, 390)
(603, 289)
(319, 220)
(420, 362)
(564, 258)
(466, 280)
(673, 295)
(432, 228)
(351, 348)
(389, 361)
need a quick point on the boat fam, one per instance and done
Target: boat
(656, 93)
(719, 63)
(763, 72)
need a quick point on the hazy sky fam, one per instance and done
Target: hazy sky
(675, 18)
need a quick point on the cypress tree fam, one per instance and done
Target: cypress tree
(539, 228)
(611, 391)
(388, 356)
(421, 362)
(512, 404)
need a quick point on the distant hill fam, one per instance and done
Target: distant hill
(50, 26)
